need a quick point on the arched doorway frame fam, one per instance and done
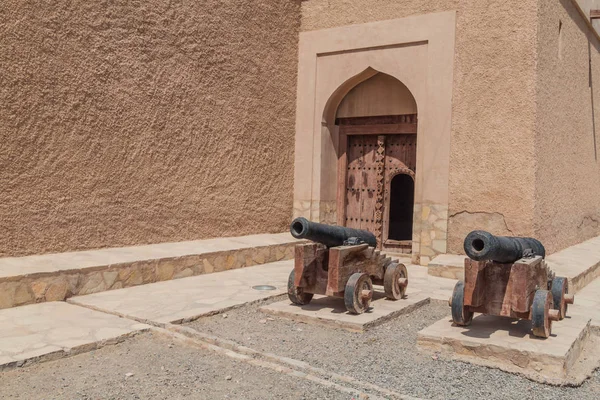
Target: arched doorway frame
(406, 124)
(418, 51)
(330, 135)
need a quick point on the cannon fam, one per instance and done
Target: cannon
(482, 245)
(342, 262)
(508, 277)
(329, 235)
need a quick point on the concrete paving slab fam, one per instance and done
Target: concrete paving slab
(451, 266)
(508, 345)
(580, 263)
(56, 329)
(435, 287)
(587, 305)
(330, 311)
(184, 300)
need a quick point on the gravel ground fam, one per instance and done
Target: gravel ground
(161, 370)
(385, 355)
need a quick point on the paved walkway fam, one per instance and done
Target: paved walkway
(187, 299)
(56, 329)
(579, 263)
(587, 304)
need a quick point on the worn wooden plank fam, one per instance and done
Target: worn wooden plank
(380, 129)
(310, 262)
(527, 275)
(347, 260)
(369, 184)
(503, 289)
(474, 282)
(354, 182)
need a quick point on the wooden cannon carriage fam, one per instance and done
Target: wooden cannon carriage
(508, 277)
(342, 262)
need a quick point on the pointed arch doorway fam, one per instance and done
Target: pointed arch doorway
(377, 122)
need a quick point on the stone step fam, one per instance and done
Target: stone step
(53, 277)
(184, 300)
(579, 263)
(451, 266)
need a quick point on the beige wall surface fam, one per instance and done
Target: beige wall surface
(126, 123)
(493, 122)
(568, 166)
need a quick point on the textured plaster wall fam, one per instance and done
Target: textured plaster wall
(568, 166)
(493, 123)
(131, 122)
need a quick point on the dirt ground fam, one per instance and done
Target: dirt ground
(151, 366)
(385, 355)
(161, 370)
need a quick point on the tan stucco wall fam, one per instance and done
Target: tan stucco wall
(125, 123)
(379, 95)
(493, 115)
(568, 169)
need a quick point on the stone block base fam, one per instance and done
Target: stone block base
(449, 266)
(330, 311)
(508, 345)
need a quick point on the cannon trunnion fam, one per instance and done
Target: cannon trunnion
(508, 277)
(342, 262)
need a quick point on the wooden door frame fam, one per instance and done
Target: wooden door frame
(363, 126)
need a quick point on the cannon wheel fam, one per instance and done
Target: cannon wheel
(460, 314)
(560, 288)
(541, 324)
(395, 281)
(358, 293)
(297, 294)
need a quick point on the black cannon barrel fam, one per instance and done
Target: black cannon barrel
(482, 245)
(329, 235)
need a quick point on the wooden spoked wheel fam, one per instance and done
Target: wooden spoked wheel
(541, 323)
(358, 293)
(461, 315)
(561, 296)
(395, 281)
(296, 294)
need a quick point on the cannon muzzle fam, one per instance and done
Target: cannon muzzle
(329, 235)
(482, 245)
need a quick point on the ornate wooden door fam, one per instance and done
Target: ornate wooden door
(370, 162)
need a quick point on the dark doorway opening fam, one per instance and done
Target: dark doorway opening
(402, 196)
